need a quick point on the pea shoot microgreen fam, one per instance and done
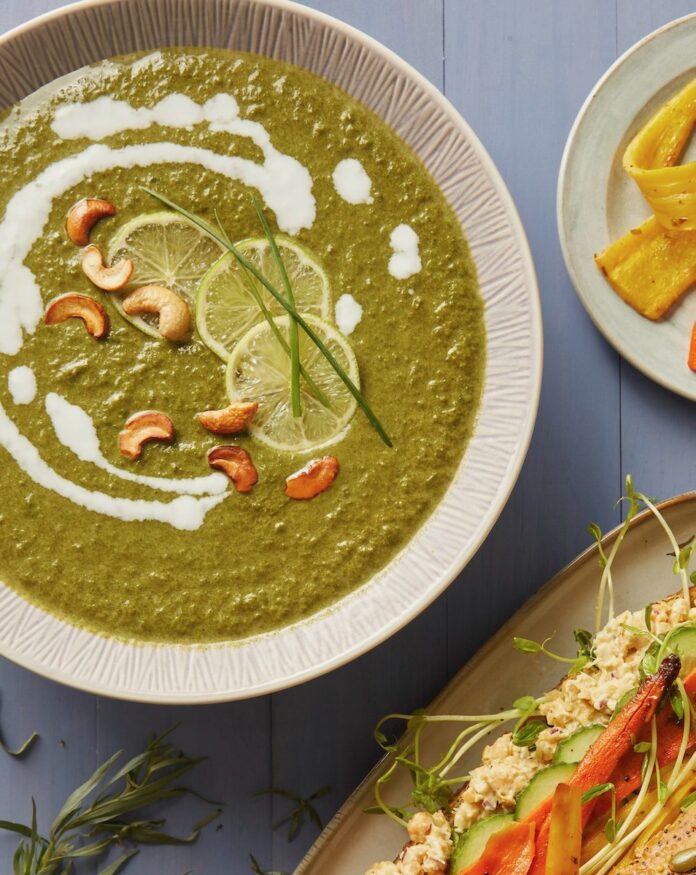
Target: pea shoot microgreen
(606, 560)
(303, 812)
(104, 811)
(584, 655)
(289, 308)
(434, 784)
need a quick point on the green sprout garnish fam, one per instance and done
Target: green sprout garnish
(584, 656)
(433, 785)
(606, 583)
(224, 240)
(105, 811)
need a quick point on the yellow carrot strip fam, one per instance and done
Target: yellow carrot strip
(565, 832)
(651, 155)
(649, 267)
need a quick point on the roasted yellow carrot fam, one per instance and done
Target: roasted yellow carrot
(565, 832)
(650, 267)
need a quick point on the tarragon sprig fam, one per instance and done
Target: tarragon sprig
(103, 812)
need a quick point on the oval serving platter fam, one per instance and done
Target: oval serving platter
(590, 216)
(56, 44)
(353, 840)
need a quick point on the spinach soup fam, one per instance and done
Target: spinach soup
(242, 373)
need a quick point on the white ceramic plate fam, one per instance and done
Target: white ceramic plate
(66, 40)
(598, 201)
(353, 840)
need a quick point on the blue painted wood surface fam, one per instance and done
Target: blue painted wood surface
(518, 70)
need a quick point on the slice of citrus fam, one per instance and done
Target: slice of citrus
(225, 304)
(167, 250)
(259, 370)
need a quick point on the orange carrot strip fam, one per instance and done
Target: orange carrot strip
(692, 349)
(508, 852)
(600, 761)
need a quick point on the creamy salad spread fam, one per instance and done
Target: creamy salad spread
(588, 697)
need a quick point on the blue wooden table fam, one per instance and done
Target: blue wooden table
(518, 70)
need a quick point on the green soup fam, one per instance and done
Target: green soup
(260, 560)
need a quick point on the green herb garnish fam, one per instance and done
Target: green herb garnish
(256, 868)
(433, 785)
(584, 656)
(303, 811)
(103, 811)
(292, 328)
(23, 749)
(289, 308)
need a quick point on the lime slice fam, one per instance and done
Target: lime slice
(225, 306)
(259, 370)
(167, 250)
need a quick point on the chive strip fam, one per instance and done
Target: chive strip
(268, 316)
(316, 340)
(292, 328)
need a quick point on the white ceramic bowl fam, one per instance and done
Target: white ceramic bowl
(66, 40)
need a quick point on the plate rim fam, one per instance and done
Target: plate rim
(624, 350)
(507, 482)
(504, 632)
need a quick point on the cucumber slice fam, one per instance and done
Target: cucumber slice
(541, 787)
(574, 748)
(473, 842)
(683, 642)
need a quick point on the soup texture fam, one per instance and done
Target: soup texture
(163, 548)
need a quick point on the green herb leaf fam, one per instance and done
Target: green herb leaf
(648, 616)
(596, 791)
(23, 749)
(525, 703)
(642, 747)
(624, 700)
(303, 810)
(610, 829)
(676, 702)
(526, 645)
(688, 801)
(527, 734)
(118, 864)
(259, 871)
(649, 663)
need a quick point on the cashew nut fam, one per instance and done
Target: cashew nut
(229, 420)
(84, 215)
(148, 425)
(74, 306)
(110, 279)
(314, 478)
(173, 311)
(237, 464)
